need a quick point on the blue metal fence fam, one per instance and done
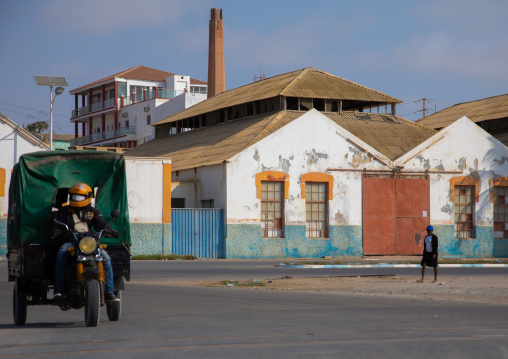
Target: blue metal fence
(198, 231)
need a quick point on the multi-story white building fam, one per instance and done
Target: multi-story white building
(119, 110)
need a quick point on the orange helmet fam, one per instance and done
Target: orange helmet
(81, 194)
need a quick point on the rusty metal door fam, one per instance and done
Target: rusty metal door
(395, 213)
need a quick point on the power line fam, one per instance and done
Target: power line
(32, 118)
(425, 101)
(407, 103)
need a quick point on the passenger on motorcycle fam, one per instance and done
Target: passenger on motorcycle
(80, 216)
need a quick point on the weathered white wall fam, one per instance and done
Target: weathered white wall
(462, 146)
(144, 187)
(12, 145)
(311, 143)
(204, 183)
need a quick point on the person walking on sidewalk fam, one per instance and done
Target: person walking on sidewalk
(430, 247)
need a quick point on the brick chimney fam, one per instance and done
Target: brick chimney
(216, 73)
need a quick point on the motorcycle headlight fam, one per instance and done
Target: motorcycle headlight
(87, 245)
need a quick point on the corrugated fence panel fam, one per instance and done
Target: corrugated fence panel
(198, 231)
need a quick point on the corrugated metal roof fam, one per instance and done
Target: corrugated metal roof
(392, 136)
(308, 82)
(138, 73)
(215, 144)
(208, 145)
(490, 108)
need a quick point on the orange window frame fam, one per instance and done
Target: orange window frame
(465, 181)
(317, 177)
(273, 176)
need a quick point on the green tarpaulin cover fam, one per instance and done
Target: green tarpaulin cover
(38, 176)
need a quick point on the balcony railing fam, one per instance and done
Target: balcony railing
(95, 107)
(129, 100)
(131, 130)
(150, 95)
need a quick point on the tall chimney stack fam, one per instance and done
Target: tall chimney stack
(216, 73)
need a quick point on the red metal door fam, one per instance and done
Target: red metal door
(395, 214)
(370, 203)
(404, 226)
(386, 216)
(421, 212)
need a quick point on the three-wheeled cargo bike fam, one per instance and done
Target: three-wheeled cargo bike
(39, 186)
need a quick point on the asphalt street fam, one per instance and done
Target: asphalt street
(173, 321)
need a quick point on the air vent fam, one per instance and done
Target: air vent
(363, 116)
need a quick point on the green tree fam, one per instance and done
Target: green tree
(38, 127)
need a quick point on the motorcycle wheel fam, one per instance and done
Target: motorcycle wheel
(115, 309)
(92, 303)
(19, 305)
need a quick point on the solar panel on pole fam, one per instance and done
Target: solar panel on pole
(43, 80)
(59, 81)
(51, 81)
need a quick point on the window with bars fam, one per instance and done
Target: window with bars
(272, 209)
(316, 205)
(500, 212)
(464, 210)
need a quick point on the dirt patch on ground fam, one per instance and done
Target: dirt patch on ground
(485, 289)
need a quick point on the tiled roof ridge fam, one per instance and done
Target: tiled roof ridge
(302, 73)
(255, 139)
(462, 103)
(312, 69)
(260, 81)
(125, 72)
(481, 99)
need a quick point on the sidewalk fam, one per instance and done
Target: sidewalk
(392, 262)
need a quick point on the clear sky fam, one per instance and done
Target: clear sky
(449, 51)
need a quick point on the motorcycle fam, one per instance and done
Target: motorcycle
(39, 186)
(85, 279)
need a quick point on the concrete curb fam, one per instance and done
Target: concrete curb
(314, 266)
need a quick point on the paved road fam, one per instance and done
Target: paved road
(188, 322)
(265, 269)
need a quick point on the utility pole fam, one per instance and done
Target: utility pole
(424, 110)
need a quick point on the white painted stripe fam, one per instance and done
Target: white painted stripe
(317, 266)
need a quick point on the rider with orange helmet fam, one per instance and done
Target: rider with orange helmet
(81, 216)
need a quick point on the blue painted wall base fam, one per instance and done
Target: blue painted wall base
(151, 238)
(483, 246)
(244, 241)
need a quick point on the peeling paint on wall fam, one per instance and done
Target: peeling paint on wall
(424, 162)
(339, 218)
(447, 209)
(256, 155)
(313, 156)
(501, 161)
(440, 166)
(284, 164)
(462, 163)
(358, 157)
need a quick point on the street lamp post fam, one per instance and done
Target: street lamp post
(51, 81)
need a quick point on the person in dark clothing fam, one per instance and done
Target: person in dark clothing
(80, 216)
(430, 253)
